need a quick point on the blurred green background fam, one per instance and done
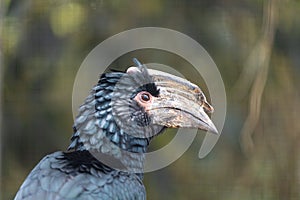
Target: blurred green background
(255, 44)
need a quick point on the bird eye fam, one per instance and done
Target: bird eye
(145, 97)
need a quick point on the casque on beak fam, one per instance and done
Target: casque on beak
(180, 103)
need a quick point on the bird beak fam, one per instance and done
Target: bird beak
(180, 103)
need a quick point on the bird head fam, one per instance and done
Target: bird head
(145, 101)
(125, 110)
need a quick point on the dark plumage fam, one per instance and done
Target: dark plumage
(123, 112)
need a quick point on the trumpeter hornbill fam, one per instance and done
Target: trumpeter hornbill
(123, 112)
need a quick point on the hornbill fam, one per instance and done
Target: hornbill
(115, 124)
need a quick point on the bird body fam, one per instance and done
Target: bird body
(78, 175)
(115, 124)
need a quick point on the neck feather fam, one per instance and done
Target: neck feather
(95, 130)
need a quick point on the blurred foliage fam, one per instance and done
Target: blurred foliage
(44, 42)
